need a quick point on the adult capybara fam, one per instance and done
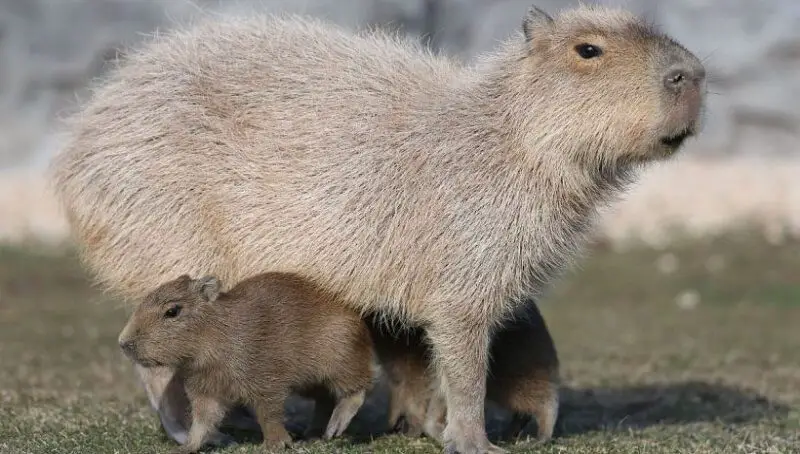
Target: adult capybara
(439, 193)
(523, 376)
(270, 335)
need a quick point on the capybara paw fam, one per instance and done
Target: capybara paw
(183, 449)
(542, 437)
(473, 445)
(277, 442)
(433, 430)
(488, 448)
(405, 427)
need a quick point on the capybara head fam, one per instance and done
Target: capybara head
(618, 89)
(171, 322)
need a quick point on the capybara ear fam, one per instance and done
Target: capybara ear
(535, 21)
(208, 287)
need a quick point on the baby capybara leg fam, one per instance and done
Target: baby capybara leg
(343, 413)
(269, 412)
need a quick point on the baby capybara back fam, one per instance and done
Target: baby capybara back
(269, 336)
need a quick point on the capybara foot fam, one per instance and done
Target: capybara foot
(343, 413)
(459, 441)
(517, 425)
(276, 438)
(403, 426)
(487, 448)
(184, 449)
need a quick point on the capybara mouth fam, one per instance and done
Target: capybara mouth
(147, 362)
(676, 140)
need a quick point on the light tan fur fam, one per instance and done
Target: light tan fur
(523, 376)
(405, 182)
(270, 335)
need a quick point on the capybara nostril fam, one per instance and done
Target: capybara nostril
(127, 346)
(684, 74)
(676, 79)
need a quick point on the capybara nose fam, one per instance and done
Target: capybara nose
(682, 75)
(127, 346)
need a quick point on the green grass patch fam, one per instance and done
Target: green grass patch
(690, 349)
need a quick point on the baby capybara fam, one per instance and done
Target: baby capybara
(269, 336)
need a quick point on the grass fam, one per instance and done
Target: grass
(693, 349)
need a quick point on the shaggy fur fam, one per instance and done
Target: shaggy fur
(438, 193)
(523, 376)
(268, 336)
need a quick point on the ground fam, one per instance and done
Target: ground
(691, 349)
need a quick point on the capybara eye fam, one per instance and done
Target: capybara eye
(173, 311)
(588, 51)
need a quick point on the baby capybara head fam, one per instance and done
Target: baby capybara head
(171, 322)
(617, 88)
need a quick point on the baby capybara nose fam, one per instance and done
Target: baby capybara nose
(127, 347)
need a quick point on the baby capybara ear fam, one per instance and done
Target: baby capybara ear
(208, 287)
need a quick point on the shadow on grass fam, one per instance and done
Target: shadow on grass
(582, 411)
(603, 409)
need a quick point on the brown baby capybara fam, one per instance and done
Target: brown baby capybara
(269, 336)
(405, 182)
(523, 376)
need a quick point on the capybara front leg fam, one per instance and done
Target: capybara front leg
(270, 416)
(460, 350)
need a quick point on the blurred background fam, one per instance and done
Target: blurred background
(743, 168)
(677, 333)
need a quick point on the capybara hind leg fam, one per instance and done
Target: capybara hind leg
(518, 422)
(435, 417)
(408, 402)
(396, 408)
(414, 415)
(460, 348)
(323, 408)
(546, 415)
(346, 408)
(167, 396)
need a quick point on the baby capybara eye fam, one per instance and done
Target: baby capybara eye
(588, 51)
(173, 311)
